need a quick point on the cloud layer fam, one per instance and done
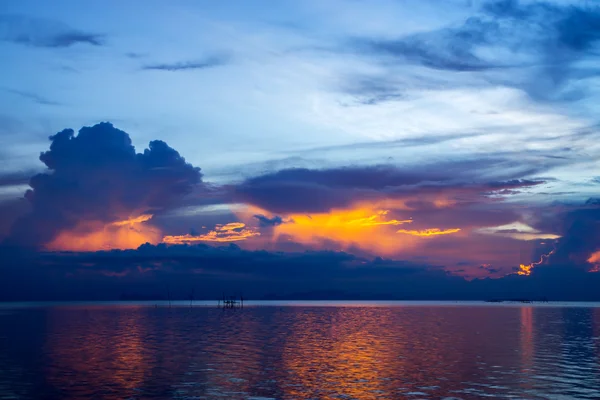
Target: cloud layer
(261, 274)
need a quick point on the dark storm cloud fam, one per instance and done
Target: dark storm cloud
(10, 210)
(208, 62)
(314, 190)
(581, 237)
(44, 33)
(265, 221)
(262, 274)
(15, 178)
(210, 269)
(96, 175)
(546, 41)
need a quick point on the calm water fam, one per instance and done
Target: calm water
(300, 351)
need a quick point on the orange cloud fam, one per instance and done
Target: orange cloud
(428, 232)
(133, 221)
(595, 260)
(232, 232)
(375, 220)
(526, 270)
(362, 227)
(94, 235)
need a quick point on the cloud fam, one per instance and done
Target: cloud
(518, 230)
(15, 178)
(33, 97)
(208, 62)
(438, 49)
(96, 179)
(358, 209)
(533, 46)
(265, 221)
(231, 232)
(38, 32)
(258, 274)
(428, 232)
(581, 237)
(298, 190)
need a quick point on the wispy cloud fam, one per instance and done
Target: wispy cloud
(208, 62)
(32, 96)
(232, 232)
(428, 232)
(533, 46)
(39, 32)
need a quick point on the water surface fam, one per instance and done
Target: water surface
(300, 350)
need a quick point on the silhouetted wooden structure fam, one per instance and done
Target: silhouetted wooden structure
(519, 300)
(231, 302)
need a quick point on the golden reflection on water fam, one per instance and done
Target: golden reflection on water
(303, 352)
(346, 353)
(526, 338)
(364, 352)
(92, 355)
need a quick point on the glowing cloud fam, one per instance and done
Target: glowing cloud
(94, 235)
(133, 221)
(374, 220)
(517, 230)
(232, 232)
(428, 232)
(594, 259)
(526, 270)
(363, 227)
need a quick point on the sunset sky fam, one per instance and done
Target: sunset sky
(368, 147)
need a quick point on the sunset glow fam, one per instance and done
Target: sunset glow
(364, 145)
(92, 236)
(367, 228)
(232, 232)
(526, 270)
(594, 259)
(429, 232)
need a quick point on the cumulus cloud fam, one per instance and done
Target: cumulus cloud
(39, 32)
(96, 177)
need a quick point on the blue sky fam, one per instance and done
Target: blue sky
(244, 87)
(317, 125)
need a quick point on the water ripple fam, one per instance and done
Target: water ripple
(300, 352)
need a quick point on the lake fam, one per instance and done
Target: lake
(300, 350)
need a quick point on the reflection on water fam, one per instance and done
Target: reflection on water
(300, 352)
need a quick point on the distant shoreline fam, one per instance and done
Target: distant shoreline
(296, 303)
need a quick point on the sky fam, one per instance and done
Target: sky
(395, 148)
